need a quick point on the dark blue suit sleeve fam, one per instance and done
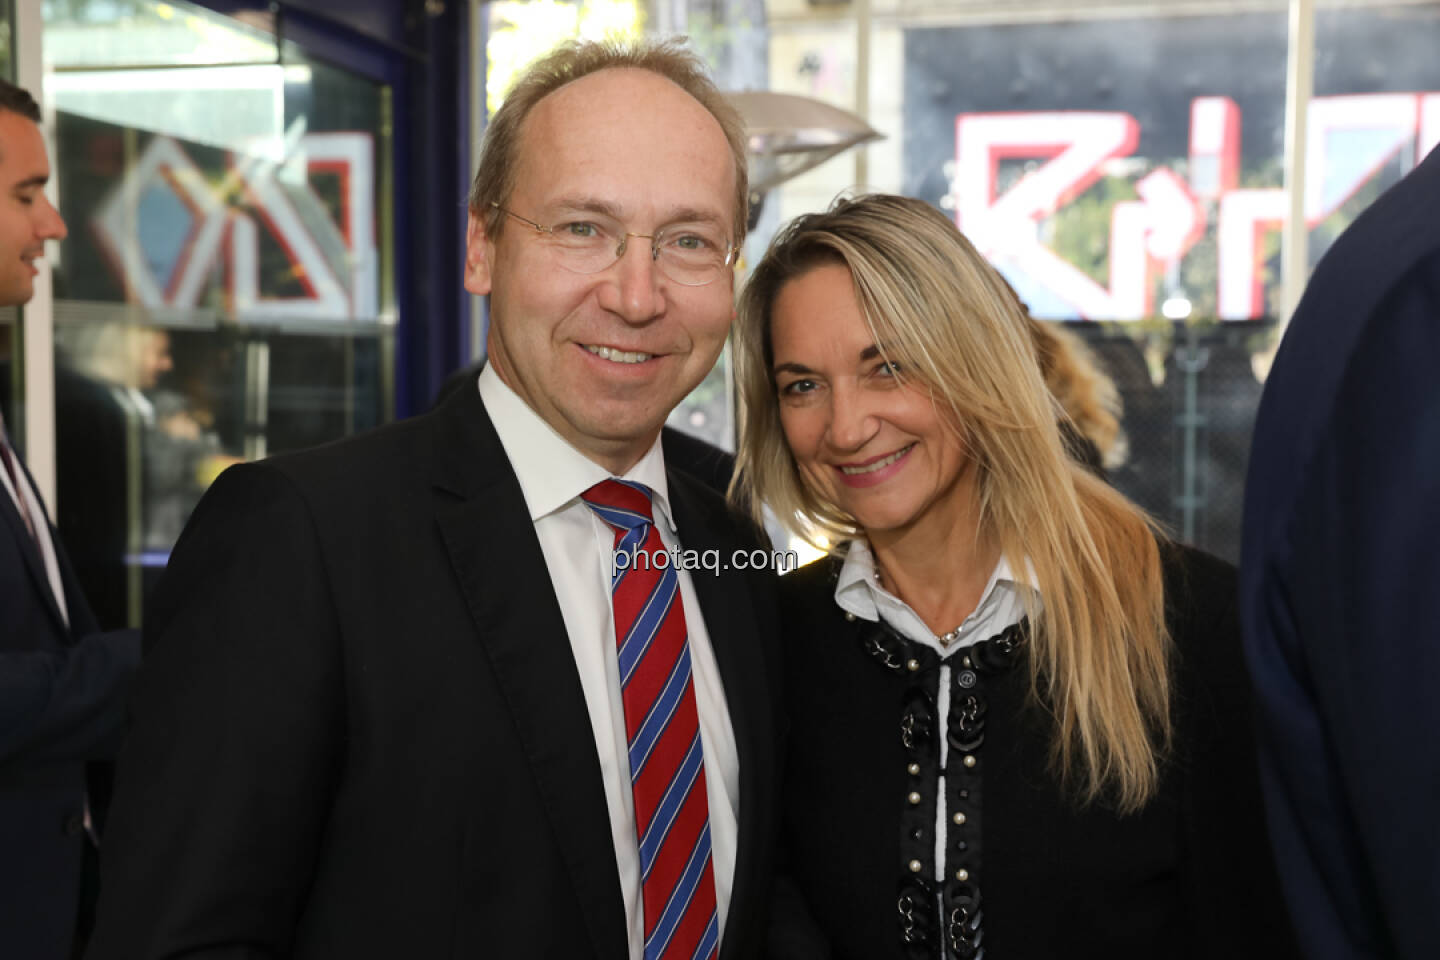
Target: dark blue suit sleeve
(1348, 688)
(68, 704)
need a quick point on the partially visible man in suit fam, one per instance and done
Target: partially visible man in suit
(1339, 575)
(385, 713)
(62, 684)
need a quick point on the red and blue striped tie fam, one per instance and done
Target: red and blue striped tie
(662, 727)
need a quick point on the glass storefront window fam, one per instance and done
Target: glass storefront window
(1124, 168)
(106, 35)
(1126, 173)
(813, 58)
(224, 293)
(1376, 112)
(519, 31)
(1122, 164)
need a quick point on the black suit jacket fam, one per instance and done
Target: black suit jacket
(1340, 569)
(62, 691)
(1188, 876)
(361, 732)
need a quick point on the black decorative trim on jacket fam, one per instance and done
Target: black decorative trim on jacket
(946, 914)
(1187, 876)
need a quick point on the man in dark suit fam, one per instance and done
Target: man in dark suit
(1341, 562)
(62, 684)
(383, 713)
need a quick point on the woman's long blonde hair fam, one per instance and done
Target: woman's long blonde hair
(1100, 648)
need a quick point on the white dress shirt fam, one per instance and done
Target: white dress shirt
(1002, 604)
(578, 546)
(36, 516)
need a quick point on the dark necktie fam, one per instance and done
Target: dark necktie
(22, 505)
(662, 728)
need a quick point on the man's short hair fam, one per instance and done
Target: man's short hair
(495, 174)
(15, 99)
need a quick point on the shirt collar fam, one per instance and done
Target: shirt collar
(552, 473)
(857, 592)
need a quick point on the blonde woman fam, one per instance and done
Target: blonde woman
(1019, 724)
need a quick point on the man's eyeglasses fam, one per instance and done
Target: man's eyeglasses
(692, 254)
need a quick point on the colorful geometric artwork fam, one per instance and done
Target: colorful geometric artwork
(167, 229)
(1350, 139)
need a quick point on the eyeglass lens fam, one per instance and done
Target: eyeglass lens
(690, 254)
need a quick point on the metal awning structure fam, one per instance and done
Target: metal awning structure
(789, 134)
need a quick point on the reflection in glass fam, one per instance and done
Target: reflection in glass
(135, 454)
(222, 294)
(141, 33)
(1108, 167)
(1376, 112)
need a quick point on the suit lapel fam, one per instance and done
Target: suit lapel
(487, 531)
(736, 636)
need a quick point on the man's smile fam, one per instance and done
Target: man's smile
(616, 355)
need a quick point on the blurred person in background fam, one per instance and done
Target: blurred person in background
(1089, 401)
(63, 684)
(1018, 716)
(132, 458)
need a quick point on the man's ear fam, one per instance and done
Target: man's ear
(479, 257)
